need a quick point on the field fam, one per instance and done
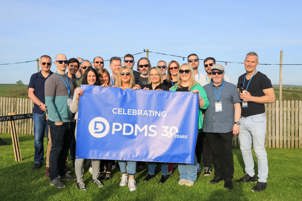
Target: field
(19, 182)
(14, 90)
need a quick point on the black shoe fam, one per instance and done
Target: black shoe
(216, 180)
(247, 178)
(37, 166)
(163, 178)
(57, 183)
(228, 184)
(207, 171)
(108, 175)
(148, 177)
(260, 186)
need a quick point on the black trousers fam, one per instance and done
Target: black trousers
(221, 146)
(60, 139)
(203, 150)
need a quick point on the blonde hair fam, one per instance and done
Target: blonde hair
(192, 81)
(159, 73)
(118, 82)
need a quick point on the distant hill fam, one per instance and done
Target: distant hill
(290, 92)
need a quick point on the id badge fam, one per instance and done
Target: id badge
(244, 104)
(218, 106)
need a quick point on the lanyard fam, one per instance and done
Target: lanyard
(248, 83)
(66, 83)
(218, 91)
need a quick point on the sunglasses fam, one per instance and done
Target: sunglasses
(45, 63)
(143, 66)
(85, 67)
(173, 68)
(187, 71)
(206, 65)
(99, 62)
(217, 72)
(62, 61)
(125, 74)
(73, 66)
(192, 60)
(164, 67)
(128, 61)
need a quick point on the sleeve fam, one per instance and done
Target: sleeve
(235, 94)
(266, 82)
(203, 95)
(239, 84)
(50, 92)
(32, 81)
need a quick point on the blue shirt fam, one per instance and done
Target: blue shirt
(37, 82)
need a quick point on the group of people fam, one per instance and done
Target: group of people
(225, 110)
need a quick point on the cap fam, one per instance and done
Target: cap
(218, 67)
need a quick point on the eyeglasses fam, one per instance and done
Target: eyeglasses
(187, 71)
(192, 60)
(211, 64)
(45, 63)
(85, 67)
(162, 67)
(217, 72)
(143, 66)
(173, 68)
(125, 74)
(62, 61)
(128, 61)
(99, 62)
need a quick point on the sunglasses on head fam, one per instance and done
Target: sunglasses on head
(217, 72)
(46, 63)
(192, 60)
(173, 68)
(164, 67)
(62, 61)
(99, 62)
(128, 61)
(211, 64)
(143, 66)
(125, 74)
(187, 71)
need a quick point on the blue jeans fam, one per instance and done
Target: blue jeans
(40, 128)
(152, 166)
(188, 171)
(127, 167)
(252, 132)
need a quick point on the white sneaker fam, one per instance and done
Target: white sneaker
(131, 185)
(90, 170)
(124, 179)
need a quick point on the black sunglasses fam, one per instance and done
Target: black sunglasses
(162, 67)
(206, 65)
(173, 68)
(45, 63)
(217, 72)
(62, 61)
(99, 62)
(128, 61)
(142, 66)
(192, 60)
(125, 74)
(187, 71)
(85, 67)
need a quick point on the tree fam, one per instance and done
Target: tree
(19, 82)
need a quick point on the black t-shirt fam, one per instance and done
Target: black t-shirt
(258, 82)
(180, 88)
(161, 86)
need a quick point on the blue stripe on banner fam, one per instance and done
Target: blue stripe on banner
(137, 125)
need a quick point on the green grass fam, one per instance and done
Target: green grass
(19, 182)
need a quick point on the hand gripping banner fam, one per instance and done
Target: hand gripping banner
(137, 125)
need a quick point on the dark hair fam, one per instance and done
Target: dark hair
(252, 54)
(84, 80)
(192, 54)
(209, 58)
(115, 58)
(73, 60)
(45, 56)
(101, 75)
(143, 58)
(129, 55)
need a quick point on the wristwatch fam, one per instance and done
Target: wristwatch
(237, 122)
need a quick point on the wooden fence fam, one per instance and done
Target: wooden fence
(284, 121)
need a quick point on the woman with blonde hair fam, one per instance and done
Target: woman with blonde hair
(186, 82)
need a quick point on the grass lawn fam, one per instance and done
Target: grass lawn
(19, 182)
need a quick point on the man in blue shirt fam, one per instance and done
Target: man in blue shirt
(36, 94)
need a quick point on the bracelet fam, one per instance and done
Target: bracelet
(237, 123)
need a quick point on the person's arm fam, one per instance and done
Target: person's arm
(35, 99)
(237, 114)
(268, 97)
(75, 101)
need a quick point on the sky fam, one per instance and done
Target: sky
(223, 29)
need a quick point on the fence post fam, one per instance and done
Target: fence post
(15, 139)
